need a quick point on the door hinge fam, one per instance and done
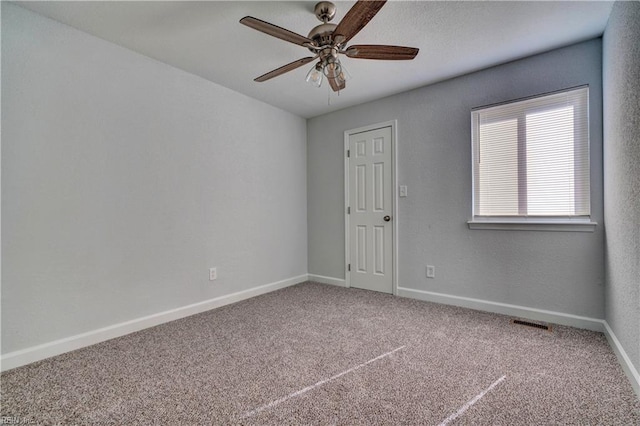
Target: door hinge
(348, 153)
(349, 267)
(348, 210)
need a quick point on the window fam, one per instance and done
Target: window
(531, 161)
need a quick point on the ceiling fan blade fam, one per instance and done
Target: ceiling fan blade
(275, 31)
(285, 68)
(355, 19)
(378, 51)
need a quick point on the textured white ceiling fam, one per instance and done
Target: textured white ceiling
(454, 38)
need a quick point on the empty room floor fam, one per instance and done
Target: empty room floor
(320, 354)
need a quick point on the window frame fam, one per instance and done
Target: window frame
(524, 221)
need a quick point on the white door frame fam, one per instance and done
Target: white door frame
(394, 222)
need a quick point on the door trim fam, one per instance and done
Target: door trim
(394, 169)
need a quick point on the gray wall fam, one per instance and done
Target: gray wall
(621, 79)
(557, 271)
(124, 180)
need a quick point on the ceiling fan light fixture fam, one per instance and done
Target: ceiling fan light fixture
(315, 75)
(332, 68)
(344, 73)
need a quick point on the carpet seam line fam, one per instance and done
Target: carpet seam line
(315, 385)
(471, 402)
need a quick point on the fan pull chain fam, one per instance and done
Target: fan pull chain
(329, 95)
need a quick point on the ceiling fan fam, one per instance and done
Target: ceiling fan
(326, 41)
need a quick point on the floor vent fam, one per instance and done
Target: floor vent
(532, 324)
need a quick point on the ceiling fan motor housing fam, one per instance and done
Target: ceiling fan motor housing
(322, 35)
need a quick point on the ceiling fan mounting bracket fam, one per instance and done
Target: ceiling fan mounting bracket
(325, 11)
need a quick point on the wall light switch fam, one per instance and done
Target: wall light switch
(403, 190)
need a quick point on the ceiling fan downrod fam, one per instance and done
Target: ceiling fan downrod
(322, 35)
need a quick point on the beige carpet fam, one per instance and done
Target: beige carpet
(319, 354)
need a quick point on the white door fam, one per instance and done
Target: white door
(370, 210)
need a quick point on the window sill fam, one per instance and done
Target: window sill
(557, 225)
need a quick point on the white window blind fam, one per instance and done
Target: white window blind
(531, 157)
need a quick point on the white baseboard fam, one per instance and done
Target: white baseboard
(328, 280)
(505, 309)
(537, 315)
(623, 358)
(46, 350)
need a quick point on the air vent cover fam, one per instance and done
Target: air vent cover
(541, 326)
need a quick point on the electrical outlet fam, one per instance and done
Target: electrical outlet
(213, 274)
(431, 271)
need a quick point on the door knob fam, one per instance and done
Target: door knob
(387, 218)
